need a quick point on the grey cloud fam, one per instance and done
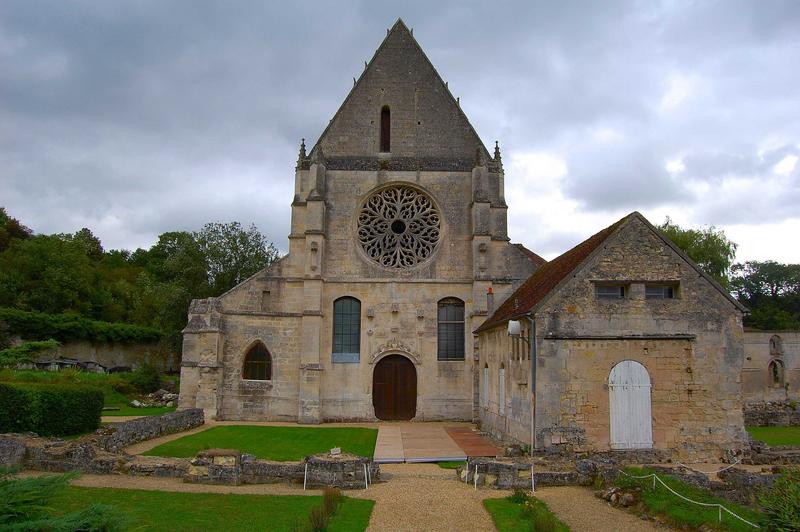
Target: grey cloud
(126, 116)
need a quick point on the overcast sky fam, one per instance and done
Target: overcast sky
(136, 118)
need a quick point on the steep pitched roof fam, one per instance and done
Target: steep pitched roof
(548, 276)
(430, 120)
(545, 278)
(533, 257)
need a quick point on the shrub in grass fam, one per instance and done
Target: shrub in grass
(781, 503)
(318, 518)
(24, 506)
(520, 511)
(49, 409)
(331, 497)
(146, 379)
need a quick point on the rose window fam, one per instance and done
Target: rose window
(398, 227)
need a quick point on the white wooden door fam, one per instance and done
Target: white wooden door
(629, 401)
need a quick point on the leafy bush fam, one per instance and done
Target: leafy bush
(146, 378)
(23, 507)
(23, 353)
(49, 409)
(781, 503)
(71, 327)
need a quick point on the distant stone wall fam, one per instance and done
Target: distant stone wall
(147, 428)
(111, 355)
(772, 414)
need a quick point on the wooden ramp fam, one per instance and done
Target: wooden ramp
(472, 443)
(429, 442)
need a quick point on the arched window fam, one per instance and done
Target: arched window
(775, 346)
(776, 374)
(386, 129)
(451, 329)
(346, 329)
(257, 364)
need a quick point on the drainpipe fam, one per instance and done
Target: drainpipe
(532, 343)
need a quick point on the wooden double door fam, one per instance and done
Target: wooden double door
(394, 388)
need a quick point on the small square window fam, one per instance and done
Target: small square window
(659, 292)
(612, 291)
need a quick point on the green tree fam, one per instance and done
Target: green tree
(708, 247)
(11, 228)
(233, 254)
(46, 274)
(771, 291)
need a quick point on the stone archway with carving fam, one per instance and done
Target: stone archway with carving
(395, 347)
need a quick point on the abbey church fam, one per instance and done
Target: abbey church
(401, 286)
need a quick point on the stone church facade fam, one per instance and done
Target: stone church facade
(395, 299)
(398, 231)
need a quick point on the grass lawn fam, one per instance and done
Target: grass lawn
(685, 514)
(508, 515)
(776, 435)
(159, 510)
(450, 465)
(125, 410)
(283, 444)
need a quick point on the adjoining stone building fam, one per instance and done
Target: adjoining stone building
(398, 231)
(771, 369)
(635, 346)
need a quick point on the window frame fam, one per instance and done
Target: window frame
(449, 331)
(621, 289)
(346, 334)
(247, 363)
(385, 133)
(666, 291)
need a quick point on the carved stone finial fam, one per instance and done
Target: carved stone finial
(479, 158)
(301, 156)
(317, 157)
(497, 151)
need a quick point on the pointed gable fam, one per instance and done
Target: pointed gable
(426, 121)
(549, 276)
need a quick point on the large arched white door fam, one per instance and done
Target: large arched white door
(629, 401)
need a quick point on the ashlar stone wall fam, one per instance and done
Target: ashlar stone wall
(761, 348)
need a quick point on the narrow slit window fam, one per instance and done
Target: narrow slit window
(606, 291)
(386, 129)
(659, 292)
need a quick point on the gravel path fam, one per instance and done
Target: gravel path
(582, 511)
(415, 497)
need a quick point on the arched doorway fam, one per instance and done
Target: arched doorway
(394, 388)
(629, 402)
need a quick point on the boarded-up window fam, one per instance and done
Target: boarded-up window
(386, 129)
(485, 387)
(502, 390)
(451, 329)
(257, 364)
(346, 329)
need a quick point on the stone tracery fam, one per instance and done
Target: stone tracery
(398, 227)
